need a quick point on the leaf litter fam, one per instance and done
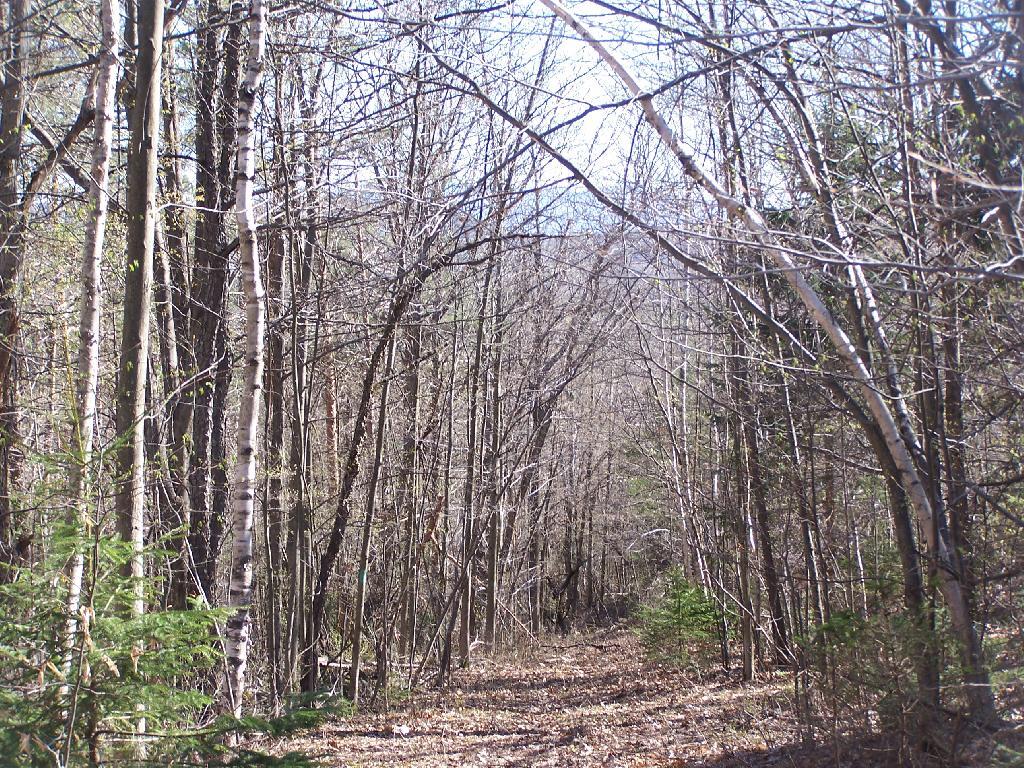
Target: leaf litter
(584, 701)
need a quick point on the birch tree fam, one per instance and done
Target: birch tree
(244, 488)
(89, 308)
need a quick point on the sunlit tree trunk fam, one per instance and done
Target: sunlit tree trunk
(236, 641)
(143, 153)
(87, 372)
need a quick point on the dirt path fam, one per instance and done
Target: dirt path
(591, 701)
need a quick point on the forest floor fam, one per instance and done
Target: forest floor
(584, 701)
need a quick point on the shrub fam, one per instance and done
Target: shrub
(121, 664)
(681, 619)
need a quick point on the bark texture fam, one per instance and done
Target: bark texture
(87, 373)
(244, 490)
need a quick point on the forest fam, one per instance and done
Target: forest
(528, 382)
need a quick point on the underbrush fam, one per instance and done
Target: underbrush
(679, 624)
(71, 698)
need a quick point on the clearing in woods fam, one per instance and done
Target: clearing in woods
(584, 701)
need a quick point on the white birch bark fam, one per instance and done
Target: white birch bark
(240, 587)
(899, 438)
(89, 324)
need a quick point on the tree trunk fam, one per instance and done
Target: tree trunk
(763, 529)
(492, 428)
(236, 640)
(362, 574)
(203, 346)
(87, 372)
(273, 507)
(469, 490)
(143, 152)
(12, 116)
(408, 497)
(310, 662)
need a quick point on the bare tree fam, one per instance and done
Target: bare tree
(87, 379)
(243, 505)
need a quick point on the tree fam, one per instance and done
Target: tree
(140, 210)
(240, 587)
(87, 379)
(537, 335)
